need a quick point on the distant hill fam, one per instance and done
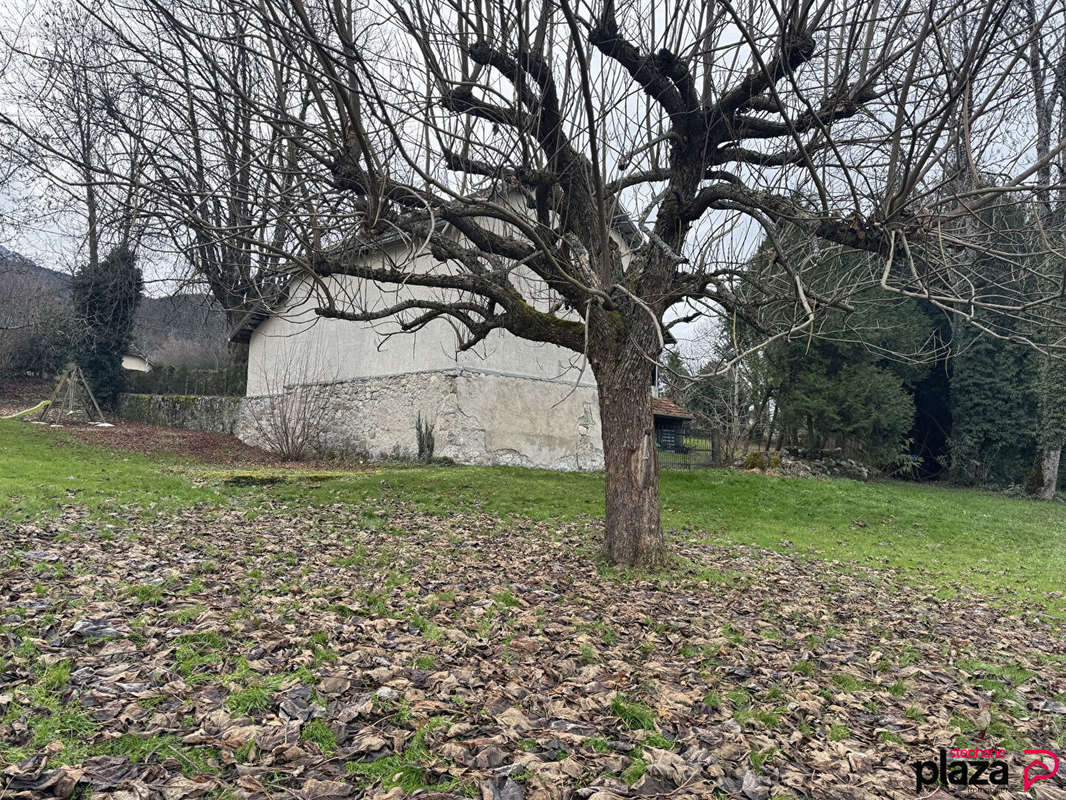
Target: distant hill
(16, 266)
(185, 329)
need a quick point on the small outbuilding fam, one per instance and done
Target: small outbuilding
(136, 363)
(671, 424)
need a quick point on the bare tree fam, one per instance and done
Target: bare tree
(60, 94)
(152, 143)
(221, 155)
(593, 174)
(1046, 55)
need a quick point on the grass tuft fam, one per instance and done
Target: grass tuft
(636, 716)
(319, 732)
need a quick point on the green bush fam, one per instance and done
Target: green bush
(226, 381)
(754, 460)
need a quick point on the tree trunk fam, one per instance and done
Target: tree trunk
(1049, 471)
(634, 533)
(770, 431)
(92, 221)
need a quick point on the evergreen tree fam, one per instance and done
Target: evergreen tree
(932, 402)
(846, 381)
(993, 412)
(105, 296)
(1051, 434)
(994, 408)
(844, 392)
(849, 382)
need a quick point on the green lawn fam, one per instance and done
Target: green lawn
(42, 469)
(956, 539)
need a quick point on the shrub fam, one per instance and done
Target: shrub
(426, 441)
(754, 460)
(289, 421)
(225, 381)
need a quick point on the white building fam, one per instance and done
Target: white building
(508, 401)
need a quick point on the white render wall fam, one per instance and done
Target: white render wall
(297, 346)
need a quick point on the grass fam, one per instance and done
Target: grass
(196, 653)
(635, 771)
(319, 732)
(598, 744)
(194, 760)
(848, 683)
(407, 769)
(950, 537)
(53, 721)
(635, 716)
(838, 733)
(48, 468)
(147, 594)
(184, 616)
(249, 699)
(759, 758)
(658, 740)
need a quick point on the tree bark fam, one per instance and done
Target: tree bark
(1049, 471)
(770, 431)
(92, 220)
(634, 535)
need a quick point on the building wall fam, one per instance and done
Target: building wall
(505, 401)
(298, 346)
(479, 417)
(135, 363)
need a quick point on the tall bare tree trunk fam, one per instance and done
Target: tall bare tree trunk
(1045, 477)
(634, 535)
(1044, 480)
(92, 221)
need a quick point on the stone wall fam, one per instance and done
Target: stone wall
(198, 413)
(479, 417)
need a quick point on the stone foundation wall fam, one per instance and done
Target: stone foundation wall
(478, 418)
(198, 413)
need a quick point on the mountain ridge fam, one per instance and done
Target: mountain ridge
(186, 328)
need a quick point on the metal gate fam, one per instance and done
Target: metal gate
(685, 451)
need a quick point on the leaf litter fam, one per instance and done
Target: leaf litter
(378, 652)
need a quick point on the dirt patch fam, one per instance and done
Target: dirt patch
(203, 446)
(18, 392)
(371, 651)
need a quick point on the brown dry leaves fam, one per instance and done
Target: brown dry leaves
(347, 652)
